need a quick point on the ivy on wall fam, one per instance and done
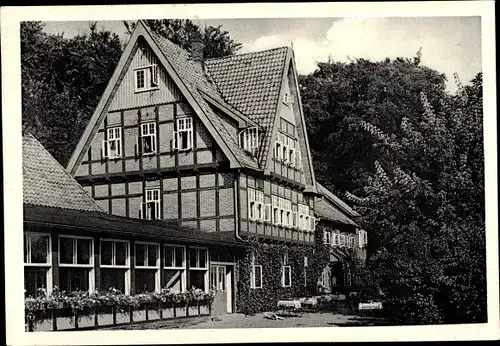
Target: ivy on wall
(250, 301)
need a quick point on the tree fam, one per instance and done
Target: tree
(424, 206)
(338, 94)
(217, 43)
(62, 82)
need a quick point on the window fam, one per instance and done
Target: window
(113, 144)
(335, 239)
(76, 263)
(350, 242)
(198, 267)
(291, 152)
(297, 162)
(256, 206)
(362, 238)
(37, 262)
(148, 138)
(249, 139)
(146, 78)
(304, 218)
(147, 265)
(343, 240)
(282, 211)
(305, 270)
(183, 137)
(150, 209)
(312, 223)
(175, 267)
(115, 265)
(287, 99)
(286, 279)
(327, 238)
(255, 274)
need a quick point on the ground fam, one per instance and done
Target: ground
(326, 319)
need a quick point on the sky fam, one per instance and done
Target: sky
(449, 44)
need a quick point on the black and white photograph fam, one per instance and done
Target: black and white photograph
(283, 170)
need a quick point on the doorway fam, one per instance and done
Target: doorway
(221, 279)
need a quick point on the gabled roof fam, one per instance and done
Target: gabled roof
(196, 82)
(46, 182)
(252, 83)
(327, 211)
(336, 201)
(190, 81)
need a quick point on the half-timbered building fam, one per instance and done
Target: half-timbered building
(215, 145)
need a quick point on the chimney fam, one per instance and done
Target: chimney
(197, 52)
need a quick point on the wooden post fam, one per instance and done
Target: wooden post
(114, 315)
(76, 319)
(173, 307)
(54, 319)
(132, 267)
(147, 311)
(131, 313)
(96, 318)
(54, 237)
(97, 264)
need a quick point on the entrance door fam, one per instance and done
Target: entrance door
(220, 278)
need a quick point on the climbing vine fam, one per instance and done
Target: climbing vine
(270, 256)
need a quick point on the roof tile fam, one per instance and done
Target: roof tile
(46, 182)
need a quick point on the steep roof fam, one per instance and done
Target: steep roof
(47, 183)
(327, 211)
(251, 83)
(196, 81)
(336, 201)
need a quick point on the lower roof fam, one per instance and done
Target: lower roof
(112, 225)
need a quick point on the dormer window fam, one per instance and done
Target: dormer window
(249, 139)
(146, 78)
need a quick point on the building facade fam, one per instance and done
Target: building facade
(217, 146)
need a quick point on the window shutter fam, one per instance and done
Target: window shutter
(297, 158)
(267, 212)
(313, 223)
(294, 219)
(154, 75)
(141, 211)
(174, 140)
(157, 214)
(105, 148)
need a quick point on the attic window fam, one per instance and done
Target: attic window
(112, 145)
(287, 99)
(249, 139)
(146, 78)
(183, 137)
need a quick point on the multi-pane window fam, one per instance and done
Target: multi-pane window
(282, 211)
(286, 278)
(37, 262)
(335, 239)
(350, 242)
(146, 78)
(327, 237)
(112, 146)
(257, 210)
(148, 138)
(249, 139)
(147, 265)
(362, 238)
(343, 240)
(286, 150)
(151, 206)
(175, 267)
(76, 263)
(183, 137)
(306, 265)
(115, 265)
(304, 218)
(198, 267)
(255, 274)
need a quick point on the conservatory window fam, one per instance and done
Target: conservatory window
(198, 267)
(175, 267)
(76, 263)
(37, 262)
(115, 265)
(147, 265)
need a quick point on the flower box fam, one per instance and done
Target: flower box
(153, 312)
(43, 324)
(122, 317)
(104, 315)
(139, 313)
(180, 310)
(167, 310)
(65, 319)
(204, 309)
